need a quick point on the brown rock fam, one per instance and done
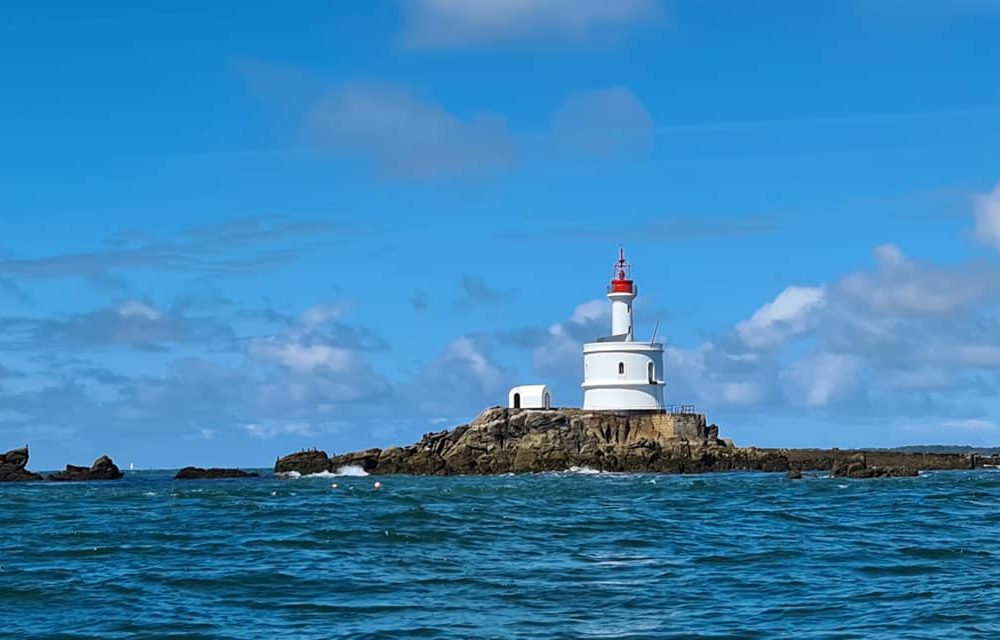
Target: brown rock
(521, 440)
(102, 469)
(303, 462)
(12, 466)
(197, 473)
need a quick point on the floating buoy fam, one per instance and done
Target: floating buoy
(378, 485)
(333, 486)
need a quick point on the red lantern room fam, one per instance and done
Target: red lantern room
(622, 280)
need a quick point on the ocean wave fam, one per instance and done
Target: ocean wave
(351, 470)
(584, 471)
(348, 470)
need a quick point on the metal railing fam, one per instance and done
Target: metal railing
(680, 408)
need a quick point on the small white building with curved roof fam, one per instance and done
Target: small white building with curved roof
(530, 396)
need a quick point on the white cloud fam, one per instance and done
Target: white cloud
(303, 358)
(466, 352)
(745, 392)
(821, 377)
(605, 123)
(478, 23)
(969, 424)
(136, 309)
(589, 312)
(979, 355)
(320, 314)
(987, 214)
(267, 432)
(917, 379)
(889, 255)
(904, 286)
(955, 425)
(408, 137)
(787, 315)
(462, 379)
(561, 352)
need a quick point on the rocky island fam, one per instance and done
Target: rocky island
(102, 469)
(214, 473)
(13, 468)
(536, 440)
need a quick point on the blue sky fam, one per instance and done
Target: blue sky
(232, 232)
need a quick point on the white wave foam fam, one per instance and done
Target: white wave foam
(584, 471)
(351, 470)
(321, 474)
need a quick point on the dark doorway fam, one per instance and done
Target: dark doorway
(517, 400)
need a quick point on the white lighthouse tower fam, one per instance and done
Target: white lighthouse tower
(620, 374)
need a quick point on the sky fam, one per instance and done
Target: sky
(230, 231)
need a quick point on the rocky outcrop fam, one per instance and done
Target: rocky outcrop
(197, 473)
(102, 469)
(857, 467)
(303, 462)
(878, 464)
(12, 466)
(519, 440)
(524, 440)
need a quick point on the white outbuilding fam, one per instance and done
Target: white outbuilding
(530, 396)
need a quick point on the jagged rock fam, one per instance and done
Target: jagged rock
(528, 440)
(102, 469)
(367, 460)
(837, 461)
(197, 473)
(857, 466)
(304, 462)
(521, 440)
(794, 474)
(12, 466)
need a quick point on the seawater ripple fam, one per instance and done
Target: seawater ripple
(534, 556)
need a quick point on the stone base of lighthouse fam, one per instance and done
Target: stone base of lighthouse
(620, 375)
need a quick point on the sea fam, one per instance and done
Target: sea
(557, 555)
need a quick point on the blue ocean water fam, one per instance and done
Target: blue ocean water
(535, 556)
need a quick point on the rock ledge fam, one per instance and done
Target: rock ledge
(523, 440)
(12, 466)
(198, 473)
(503, 440)
(102, 469)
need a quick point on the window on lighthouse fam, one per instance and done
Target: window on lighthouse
(651, 368)
(621, 368)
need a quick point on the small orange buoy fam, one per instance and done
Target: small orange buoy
(378, 485)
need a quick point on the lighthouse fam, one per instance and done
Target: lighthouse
(619, 373)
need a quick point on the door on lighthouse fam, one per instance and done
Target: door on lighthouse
(517, 400)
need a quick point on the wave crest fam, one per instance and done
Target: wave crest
(348, 470)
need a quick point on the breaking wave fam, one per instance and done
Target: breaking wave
(584, 471)
(351, 470)
(348, 470)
